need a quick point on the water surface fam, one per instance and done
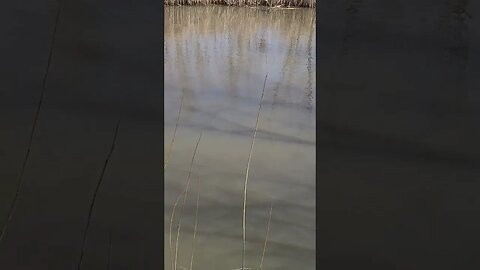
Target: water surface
(216, 60)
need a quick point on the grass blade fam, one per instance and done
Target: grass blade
(196, 221)
(174, 134)
(184, 194)
(94, 198)
(266, 237)
(245, 186)
(13, 204)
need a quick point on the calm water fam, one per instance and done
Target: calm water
(216, 59)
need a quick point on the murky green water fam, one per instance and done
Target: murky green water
(216, 59)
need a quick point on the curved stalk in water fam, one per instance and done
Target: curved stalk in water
(245, 186)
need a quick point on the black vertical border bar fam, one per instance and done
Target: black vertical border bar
(451, 215)
(317, 105)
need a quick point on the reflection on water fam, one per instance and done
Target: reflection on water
(216, 59)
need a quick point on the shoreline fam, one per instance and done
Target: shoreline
(281, 4)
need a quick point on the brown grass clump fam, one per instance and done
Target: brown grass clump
(267, 3)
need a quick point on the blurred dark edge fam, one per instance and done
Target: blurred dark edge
(107, 66)
(398, 123)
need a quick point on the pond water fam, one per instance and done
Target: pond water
(216, 61)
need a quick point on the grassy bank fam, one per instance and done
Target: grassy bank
(266, 3)
(217, 21)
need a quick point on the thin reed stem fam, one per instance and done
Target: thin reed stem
(185, 193)
(171, 226)
(174, 134)
(196, 221)
(245, 187)
(18, 190)
(176, 243)
(94, 198)
(266, 236)
(165, 166)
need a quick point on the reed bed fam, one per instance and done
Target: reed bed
(216, 23)
(219, 20)
(250, 3)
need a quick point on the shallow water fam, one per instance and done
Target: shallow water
(216, 60)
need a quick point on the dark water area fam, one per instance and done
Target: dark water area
(397, 133)
(216, 59)
(105, 67)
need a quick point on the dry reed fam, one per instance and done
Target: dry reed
(266, 237)
(172, 258)
(38, 108)
(196, 221)
(174, 134)
(182, 24)
(267, 3)
(184, 195)
(95, 195)
(165, 166)
(247, 173)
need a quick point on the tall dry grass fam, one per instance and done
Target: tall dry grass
(174, 134)
(95, 196)
(247, 174)
(184, 194)
(36, 116)
(268, 3)
(292, 24)
(266, 237)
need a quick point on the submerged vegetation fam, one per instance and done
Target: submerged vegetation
(254, 3)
